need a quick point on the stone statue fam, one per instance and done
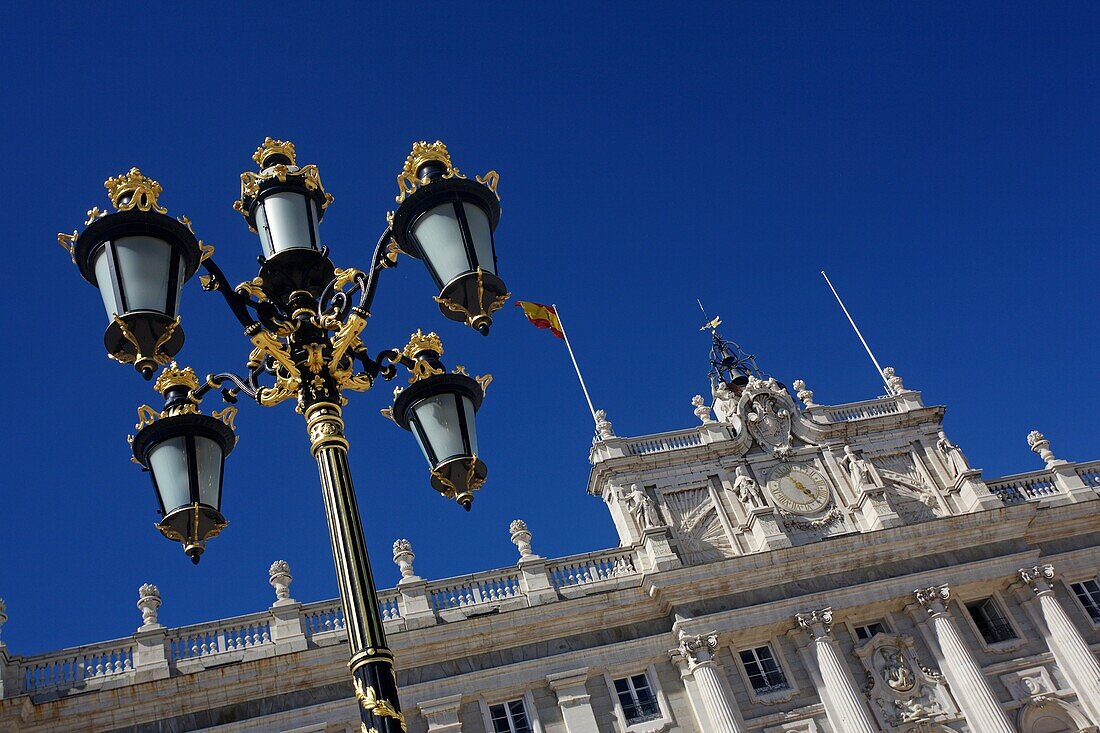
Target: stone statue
(603, 425)
(642, 509)
(725, 404)
(804, 394)
(702, 411)
(952, 455)
(747, 489)
(895, 672)
(859, 470)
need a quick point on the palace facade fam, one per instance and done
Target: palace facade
(784, 567)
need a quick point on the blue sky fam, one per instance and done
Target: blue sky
(940, 162)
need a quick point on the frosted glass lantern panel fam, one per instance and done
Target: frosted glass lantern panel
(144, 265)
(440, 239)
(286, 221)
(208, 458)
(168, 462)
(468, 408)
(481, 235)
(439, 419)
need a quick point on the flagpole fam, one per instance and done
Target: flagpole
(570, 348)
(889, 389)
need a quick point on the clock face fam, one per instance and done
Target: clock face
(798, 489)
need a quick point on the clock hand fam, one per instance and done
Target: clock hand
(798, 485)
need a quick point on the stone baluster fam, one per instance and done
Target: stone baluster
(150, 640)
(416, 606)
(1063, 473)
(844, 704)
(534, 580)
(1070, 649)
(574, 700)
(287, 630)
(979, 704)
(696, 656)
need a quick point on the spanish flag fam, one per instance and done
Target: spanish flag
(543, 316)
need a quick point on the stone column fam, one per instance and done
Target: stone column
(287, 631)
(844, 704)
(150, 651)
(979, 704)
(697, 653)
(574, 700)
(1070, 649)
(442, 714)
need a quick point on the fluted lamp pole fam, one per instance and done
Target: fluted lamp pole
(304, 319)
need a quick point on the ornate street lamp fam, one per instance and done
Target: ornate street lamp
(304, 318)
(448, 221)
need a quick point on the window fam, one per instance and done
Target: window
(637, 699)
(863, 633)
(764, 673)
(991, 623)
(509, 717)
(1088, 593)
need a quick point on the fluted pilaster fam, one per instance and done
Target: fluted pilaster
(844, 704)
(1070, 649)
(976, 698)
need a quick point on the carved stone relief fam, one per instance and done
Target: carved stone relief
(903, 693)
(696, 525)
(766, 407)
(912, 496)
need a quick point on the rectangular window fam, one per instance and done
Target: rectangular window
(764, 673)
(991, 623)
(637, 699)
(863, 633)
(509, 717)
(1088, 593)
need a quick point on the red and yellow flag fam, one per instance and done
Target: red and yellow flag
(543, 316)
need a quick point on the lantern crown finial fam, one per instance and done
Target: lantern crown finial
(173, 376)
(423, 152)
(420, 343)
(133, 190)
(272, 148)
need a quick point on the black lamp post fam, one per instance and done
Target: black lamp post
(304, 318)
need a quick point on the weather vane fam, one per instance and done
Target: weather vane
(729, 363)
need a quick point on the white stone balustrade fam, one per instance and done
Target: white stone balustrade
(592, 567)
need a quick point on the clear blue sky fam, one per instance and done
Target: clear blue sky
(940, 162)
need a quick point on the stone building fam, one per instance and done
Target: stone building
(784, 567)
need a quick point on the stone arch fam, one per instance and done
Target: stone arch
(1051, 716)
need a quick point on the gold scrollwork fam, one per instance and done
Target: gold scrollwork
(283, 390)
(158, 357)
(422, 151)
(68, 241)
(315, 359)
(490, 180)
(421, 369)
(375, 705)
(459, 369)
(146, 416)
(133, 190)
(265, 343)
(387, 412)
(227, 416)
(347, 336)
(393, 250)
(345, 277)
(94, 213)
(420, 342)
(206, 251)
(496, 304)
(183, 219)
(484, 381)
(473, 481)
(253, 287)
(273, 147)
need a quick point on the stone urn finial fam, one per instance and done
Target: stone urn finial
(3, 613)
(403, 556)
(804, 394)
(521, 537)
(280, 578)
(603, 425)
(1041, 446)
(148, 603)
(702, 409)
(895, 382)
